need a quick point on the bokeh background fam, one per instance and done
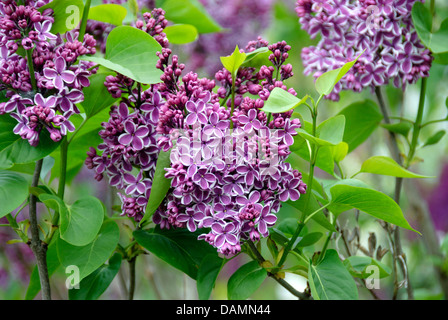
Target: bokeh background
(245, 20)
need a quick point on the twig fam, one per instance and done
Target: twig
(394, 232)
(282, 282)
(38, 247)
(131, 290)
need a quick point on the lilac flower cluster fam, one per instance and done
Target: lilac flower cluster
(230, 182)
(128, 155)
(228, 171)
(46, 99)
(383, 28)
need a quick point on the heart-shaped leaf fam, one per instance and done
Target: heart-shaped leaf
(131, 52)
(81, 221)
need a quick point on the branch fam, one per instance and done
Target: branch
(394, 231)
(131, 290)
(282, 282)
(38, 247)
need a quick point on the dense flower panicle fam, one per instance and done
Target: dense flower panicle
(230, 182)
(383, 28)
(228, 171)
(59, 78)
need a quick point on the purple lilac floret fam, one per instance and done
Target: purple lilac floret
(383, 28)
(59, 77)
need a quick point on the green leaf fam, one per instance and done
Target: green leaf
(96, 96)
(67, 14)
(80, 222)
(108, 13)
(370, 201)
(309, 239)
(233, 62)
(179, 248)
(330, 280)
(94, 285)
(245, 281)
(15, 150)
(435, 138)
(328, 133)
(357, 266)
(386, 166)
(332, 129)
(441, 58)
(190, 12)
(13, 191)
(159, 189)
(90, 257)
(339, 151)
(436, 41)
(208, 272)
(402, 128)
(133, 7)
(326, 82)
(131, 52)
(280, 101)
(361, 119)
(181, 33)
(257, 58)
